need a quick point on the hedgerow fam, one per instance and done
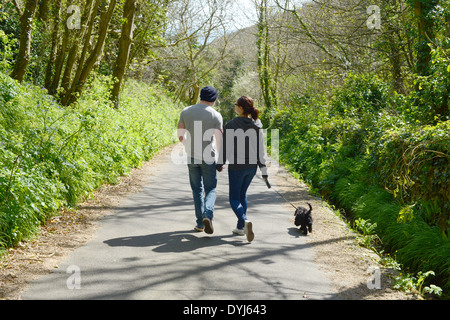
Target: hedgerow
(53, 156)
(361, 151)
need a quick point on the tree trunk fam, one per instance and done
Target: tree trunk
(126, 38)
(263, 62)
(44, 8)
(73, 52)
(105, 19)
(86, 46)
(26, 26)
(195, 94)
(395, 61)
(55, 39)
(426, 34)
(447, 25)
(59, 62)
(443, 109)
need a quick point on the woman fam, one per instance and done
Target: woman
(243, 147)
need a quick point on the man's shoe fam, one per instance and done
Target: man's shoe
(248, 230)
(198, 229)
(209, 229)
(239, 232)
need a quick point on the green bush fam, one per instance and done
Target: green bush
(360, 144)
(414, 162)
(52, 156)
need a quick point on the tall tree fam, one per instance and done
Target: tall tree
(263, 60)
(84, 51)
(126, 38)
(26, 27)
(77, 38)
(392, 43)
(196, 42)
(86, 68)
(56, 13)
(423, 10)
(444, 109)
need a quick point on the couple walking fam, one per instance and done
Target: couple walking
(209, 147)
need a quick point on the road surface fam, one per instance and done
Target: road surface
(147, 249)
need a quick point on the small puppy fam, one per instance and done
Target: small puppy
(304, 219)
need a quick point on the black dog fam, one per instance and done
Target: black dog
(304, 219)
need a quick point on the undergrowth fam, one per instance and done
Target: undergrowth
(364, 152)
(53, 156)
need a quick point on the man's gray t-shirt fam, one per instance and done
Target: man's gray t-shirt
(201, 121)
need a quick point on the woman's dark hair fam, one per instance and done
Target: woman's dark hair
(247, 104)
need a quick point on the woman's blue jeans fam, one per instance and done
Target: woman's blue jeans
(203, 176)
(239, 181)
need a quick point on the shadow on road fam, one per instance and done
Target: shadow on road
(176, 241)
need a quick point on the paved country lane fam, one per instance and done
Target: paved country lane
(147, 249)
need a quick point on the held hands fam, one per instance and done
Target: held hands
(219, 168)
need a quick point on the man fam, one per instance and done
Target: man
(200, 130)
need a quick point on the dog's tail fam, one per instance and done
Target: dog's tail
(310, 208)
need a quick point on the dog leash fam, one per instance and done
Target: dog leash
(270, 187)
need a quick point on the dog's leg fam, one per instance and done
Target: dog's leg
(303, 228)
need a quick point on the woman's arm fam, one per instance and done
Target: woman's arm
(262, 154)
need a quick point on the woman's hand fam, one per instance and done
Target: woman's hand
(266, 180)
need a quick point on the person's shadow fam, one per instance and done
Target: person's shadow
(176, 241)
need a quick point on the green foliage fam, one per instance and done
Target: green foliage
(431, 99)
(362, 97)
(411, 283)
(414, 162)
(6, 54)
(367, 229)
(52, 156)
(360, 142)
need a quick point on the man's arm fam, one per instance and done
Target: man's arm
(219, 137)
